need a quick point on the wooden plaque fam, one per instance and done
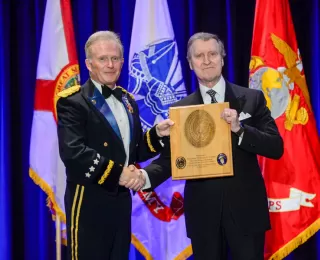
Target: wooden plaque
(200, 142)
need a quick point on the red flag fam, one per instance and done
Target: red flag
(57, 69)
(293, 182)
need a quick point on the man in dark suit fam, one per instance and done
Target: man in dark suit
(225, 211)
(100, 139)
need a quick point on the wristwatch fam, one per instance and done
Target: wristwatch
(240, 131)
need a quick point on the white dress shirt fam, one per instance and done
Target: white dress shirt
(120, 114)
(219, 88)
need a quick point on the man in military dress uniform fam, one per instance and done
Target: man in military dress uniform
(100, 139)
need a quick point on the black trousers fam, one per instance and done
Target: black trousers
(213, 244)
(98, 224)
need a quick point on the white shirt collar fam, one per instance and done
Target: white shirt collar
(220, 88)
(98, 85)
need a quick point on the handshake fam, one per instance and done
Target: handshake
(132, 178)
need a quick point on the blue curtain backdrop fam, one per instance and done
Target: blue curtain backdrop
(26, 229)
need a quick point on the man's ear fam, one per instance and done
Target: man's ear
(222, 62)
(122, 61)
(88, 64)
(190, 65)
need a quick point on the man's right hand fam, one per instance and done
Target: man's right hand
(132, 178)
(163, 128)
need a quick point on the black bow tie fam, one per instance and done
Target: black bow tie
(107, 92)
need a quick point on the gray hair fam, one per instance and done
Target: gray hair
(205, 37)
(103, 35)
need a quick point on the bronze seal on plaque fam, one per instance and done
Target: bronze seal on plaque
(181, 162)
(199, 128)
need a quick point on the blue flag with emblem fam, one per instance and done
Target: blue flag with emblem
(155, 79)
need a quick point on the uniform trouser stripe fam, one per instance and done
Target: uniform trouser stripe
(77, 222)
(77, 201)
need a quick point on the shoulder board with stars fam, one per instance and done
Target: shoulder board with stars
(69, 91)
(126, 92)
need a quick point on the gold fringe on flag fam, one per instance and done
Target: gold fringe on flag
(51, 199)
(297, 241)
(187, 252)
(140, 247)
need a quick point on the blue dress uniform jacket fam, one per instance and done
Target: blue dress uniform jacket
(98, 209)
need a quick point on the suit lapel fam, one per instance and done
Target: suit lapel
(235, 101)
(197, 98)
(100, 107)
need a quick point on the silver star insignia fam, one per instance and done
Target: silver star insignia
(88, 175)
(96, 161)
(91, 169)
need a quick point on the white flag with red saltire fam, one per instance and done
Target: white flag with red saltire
(57, 69)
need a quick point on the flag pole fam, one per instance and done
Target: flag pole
(58, 238)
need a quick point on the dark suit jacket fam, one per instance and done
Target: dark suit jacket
(245, 192)
(86, 139)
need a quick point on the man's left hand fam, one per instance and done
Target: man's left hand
(163, 128)
(232, 118)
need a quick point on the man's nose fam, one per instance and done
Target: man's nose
(206, 60)
(109, 63)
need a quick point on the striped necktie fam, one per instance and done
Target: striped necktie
(212, 94)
